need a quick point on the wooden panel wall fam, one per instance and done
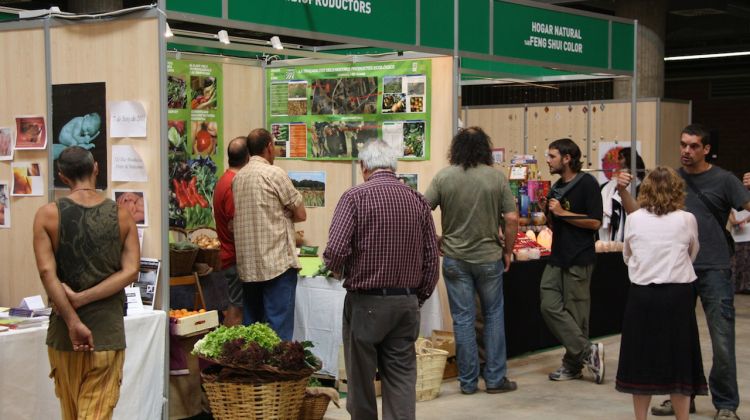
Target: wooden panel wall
(125, 55)
(674, 117)
(24, 92)
(609, 121)
(243, 100)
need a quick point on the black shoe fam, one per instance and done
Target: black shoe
(666, 409)
(506, 386)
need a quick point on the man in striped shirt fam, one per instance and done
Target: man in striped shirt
(382, 241)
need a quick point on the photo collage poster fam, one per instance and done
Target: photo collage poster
(329, 111)
(79, 118)
(196, 146)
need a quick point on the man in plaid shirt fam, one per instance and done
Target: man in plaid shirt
(382, 241)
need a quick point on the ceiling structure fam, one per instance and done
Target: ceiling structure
(692, 27)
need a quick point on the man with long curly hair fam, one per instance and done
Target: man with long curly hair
(475, 199)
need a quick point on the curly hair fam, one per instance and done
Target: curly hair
(470, 147)
(662, 192)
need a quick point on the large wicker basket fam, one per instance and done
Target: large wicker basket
(314, 407)
(272, 400)
(430, 367)
(181, 261)
(206, 255)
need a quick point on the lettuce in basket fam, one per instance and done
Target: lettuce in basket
(213, 343)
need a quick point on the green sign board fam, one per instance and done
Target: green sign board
(383, 20)
(196, 150)
(329, 111)
(532, 33)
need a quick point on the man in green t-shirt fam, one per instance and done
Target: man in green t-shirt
(474, 199)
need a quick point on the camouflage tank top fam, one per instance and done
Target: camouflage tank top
(88, 251)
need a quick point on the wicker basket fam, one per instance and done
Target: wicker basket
(314, 407)
(205, 255)
(430, 367)
(272, 400)
(181, 261)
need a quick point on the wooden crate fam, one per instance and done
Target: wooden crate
(194, 324)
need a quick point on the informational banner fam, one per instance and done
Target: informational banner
(329, 111)
(196, 150)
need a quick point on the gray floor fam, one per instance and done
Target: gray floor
(540, 398)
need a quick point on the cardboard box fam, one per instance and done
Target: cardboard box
(342, 387)
(444, 340)
(451, 368)
(195, 324)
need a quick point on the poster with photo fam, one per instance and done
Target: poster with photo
(195, 134)
(79, 118)
(608, 158)
(312, 186)
(412, 180)
(409, 137)
(4, 205)
(498, 155)
(344, 104)
(134, 201)
(6, 143)
(343, 138)
(31, 133)
(148, 280)
(27, 179)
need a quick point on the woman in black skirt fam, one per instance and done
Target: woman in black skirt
(660, 352)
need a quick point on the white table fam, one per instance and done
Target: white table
(27, 392)
(318, 312)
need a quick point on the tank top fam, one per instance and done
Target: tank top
(89, 250)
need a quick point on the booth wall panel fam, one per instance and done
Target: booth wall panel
(125, 55)
(23, 87)
(613, 124)
(503, 125)
(243, 101)
(558, 122)
(674, 117)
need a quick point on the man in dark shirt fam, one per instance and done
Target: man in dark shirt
(382, 241)
(721, 191)
(238, 156)
(575, 209)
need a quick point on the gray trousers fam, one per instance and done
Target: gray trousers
(565, 303)
(379, 334)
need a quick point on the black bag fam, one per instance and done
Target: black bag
(712, 208)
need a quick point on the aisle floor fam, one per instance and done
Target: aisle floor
(540, 398)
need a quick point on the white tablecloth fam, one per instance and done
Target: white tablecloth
(27, 392)
(318, 312)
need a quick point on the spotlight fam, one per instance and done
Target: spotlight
(223, 37)
(168, 33)
(276, 43)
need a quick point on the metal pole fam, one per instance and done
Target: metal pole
(48, 90)
(634, 112)
(456, 70)
(164, 182)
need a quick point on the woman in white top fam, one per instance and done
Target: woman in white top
(660, 352)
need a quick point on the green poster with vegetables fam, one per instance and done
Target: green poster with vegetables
(329, 111)
(196, 152)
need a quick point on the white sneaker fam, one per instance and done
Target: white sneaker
(595, 362)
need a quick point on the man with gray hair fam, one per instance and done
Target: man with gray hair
(382, 241)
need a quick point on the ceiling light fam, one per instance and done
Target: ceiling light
(704, 56)
(223, 37)
(168, 33)
(276, 43)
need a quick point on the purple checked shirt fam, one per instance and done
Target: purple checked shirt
(382, 236)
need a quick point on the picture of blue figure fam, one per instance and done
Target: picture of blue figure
(79, 131)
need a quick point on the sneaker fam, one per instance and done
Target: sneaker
(724, 414)
(565, 374)
(665, 408)
(468, 391)
(506, 386)
(595, 362)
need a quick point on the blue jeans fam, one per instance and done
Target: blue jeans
(716, 291)
(272, 301)
(463, 280)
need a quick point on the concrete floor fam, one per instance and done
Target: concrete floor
(540, 398)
